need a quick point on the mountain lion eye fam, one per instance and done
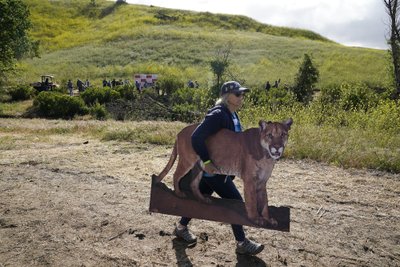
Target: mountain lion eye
(269, 135)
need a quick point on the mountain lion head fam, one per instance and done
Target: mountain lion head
(274, 137)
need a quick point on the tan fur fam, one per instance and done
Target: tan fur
(251, 155)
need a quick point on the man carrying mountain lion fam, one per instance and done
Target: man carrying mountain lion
(222, 116)
(217, 149)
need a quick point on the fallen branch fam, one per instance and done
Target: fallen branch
(118, 235)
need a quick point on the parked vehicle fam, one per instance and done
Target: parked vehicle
(47, 83)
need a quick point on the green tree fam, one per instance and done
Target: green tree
(14, 40)
(305, 80)
(392, 9)
(219, 65)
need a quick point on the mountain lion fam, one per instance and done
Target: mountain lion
(251, 155)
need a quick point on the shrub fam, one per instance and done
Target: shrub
(331, 94)
(385, 117)
(98, 111)
(127, 92)
(56, 105)
(169, 84)
(357, 97)
(21, 93)
(274, 99)
(99, 95)
(186, 113)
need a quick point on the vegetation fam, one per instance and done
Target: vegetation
(392, 9)
(79, 39)
(15, 42)
(305, 80)
(350, 119)
(56, 105)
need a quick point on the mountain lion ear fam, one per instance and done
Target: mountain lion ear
(263, 124)
(288, 123)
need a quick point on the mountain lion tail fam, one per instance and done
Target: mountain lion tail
(168, 167)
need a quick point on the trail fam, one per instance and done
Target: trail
(72, 201)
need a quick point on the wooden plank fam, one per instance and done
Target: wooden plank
(163, 200)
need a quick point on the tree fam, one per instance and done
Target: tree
(14, 40)
(392, 9)
(220, 63)
(305, 80)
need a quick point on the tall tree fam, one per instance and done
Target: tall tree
(220, 63)
(14, 40)
(305, 80)
(392, 9)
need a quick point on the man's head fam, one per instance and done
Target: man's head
(233, 87)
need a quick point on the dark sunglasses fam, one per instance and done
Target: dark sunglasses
(238, 94)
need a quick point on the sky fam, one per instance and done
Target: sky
(360, 23)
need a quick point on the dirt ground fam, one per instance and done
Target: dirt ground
(78, 201)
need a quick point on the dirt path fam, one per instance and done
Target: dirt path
(72, 201)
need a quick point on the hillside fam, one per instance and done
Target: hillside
(81, 40)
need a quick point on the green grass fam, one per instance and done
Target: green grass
(344, 147)
(14, 109)
(354, 139)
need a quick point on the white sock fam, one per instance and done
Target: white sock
(240, 243)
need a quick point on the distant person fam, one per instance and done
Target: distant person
(104, 83)
(87, 83)
(70, 87)
(113, 83)
(138, 86)
(46, 84)
(190, 84)
(79, 84)
(276, 84)
(267, 86)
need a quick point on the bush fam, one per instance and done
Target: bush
(357, 97)
(190, 103)
(186, 113)
(169, 84)
(99, 95)
(331, 94)
(127, 92)
(98, 111)
(273, 99)
(21, 93)
(56, 105)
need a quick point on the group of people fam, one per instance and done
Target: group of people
(276, 84)
(80, 85)
(112, 83)
(192, 84)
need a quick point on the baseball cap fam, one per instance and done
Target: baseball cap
(233, 87)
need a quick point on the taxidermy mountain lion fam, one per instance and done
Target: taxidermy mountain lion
(251, 155)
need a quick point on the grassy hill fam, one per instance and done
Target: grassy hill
(109, 40)
(351, 124)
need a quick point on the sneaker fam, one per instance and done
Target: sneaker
(185, 234)
(249, 247)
